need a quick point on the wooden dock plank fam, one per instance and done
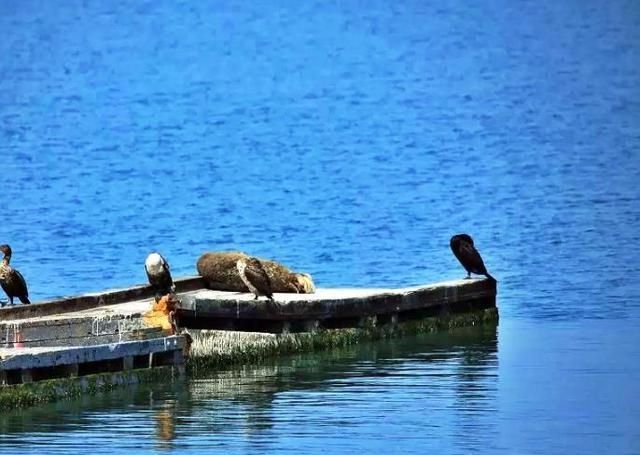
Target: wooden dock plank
(100, 325)
(27, 358)
(92, 300)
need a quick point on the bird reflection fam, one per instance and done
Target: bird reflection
(165, 423)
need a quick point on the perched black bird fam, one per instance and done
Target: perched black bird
(12, 281)
(463, 249)
(159, 275)
(255, 277)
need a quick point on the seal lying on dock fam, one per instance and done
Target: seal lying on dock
(219, 271)
(463, 249)
(12, 281)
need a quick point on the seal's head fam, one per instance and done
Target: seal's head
(304, 283)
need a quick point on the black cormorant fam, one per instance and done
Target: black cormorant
(255, 277)
(12, 281)
(463, 249)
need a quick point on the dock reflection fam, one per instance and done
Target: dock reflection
(249, 402)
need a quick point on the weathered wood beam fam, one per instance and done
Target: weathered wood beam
(92, 300)
(28, 358)
(332, 303)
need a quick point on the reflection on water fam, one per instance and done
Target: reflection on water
(511, 390)
(346, 398)
(165, 423)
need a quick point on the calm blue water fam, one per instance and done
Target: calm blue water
(349, 140)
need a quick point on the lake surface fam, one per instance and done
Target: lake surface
(349, 140)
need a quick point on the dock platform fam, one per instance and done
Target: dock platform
(332, 308)
(25, 365)
(66, 346)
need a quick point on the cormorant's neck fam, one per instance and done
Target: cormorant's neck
(6, 259)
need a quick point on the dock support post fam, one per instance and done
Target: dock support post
(178, 357)
(311, 325)
(178, 364)
(26, 376)
(368, 322)
(72, 370)
(127, 363)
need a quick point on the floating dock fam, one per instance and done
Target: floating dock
(76, 345)
(332, 308)
(26, 365)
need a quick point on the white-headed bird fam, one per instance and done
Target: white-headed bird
(159, 275)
